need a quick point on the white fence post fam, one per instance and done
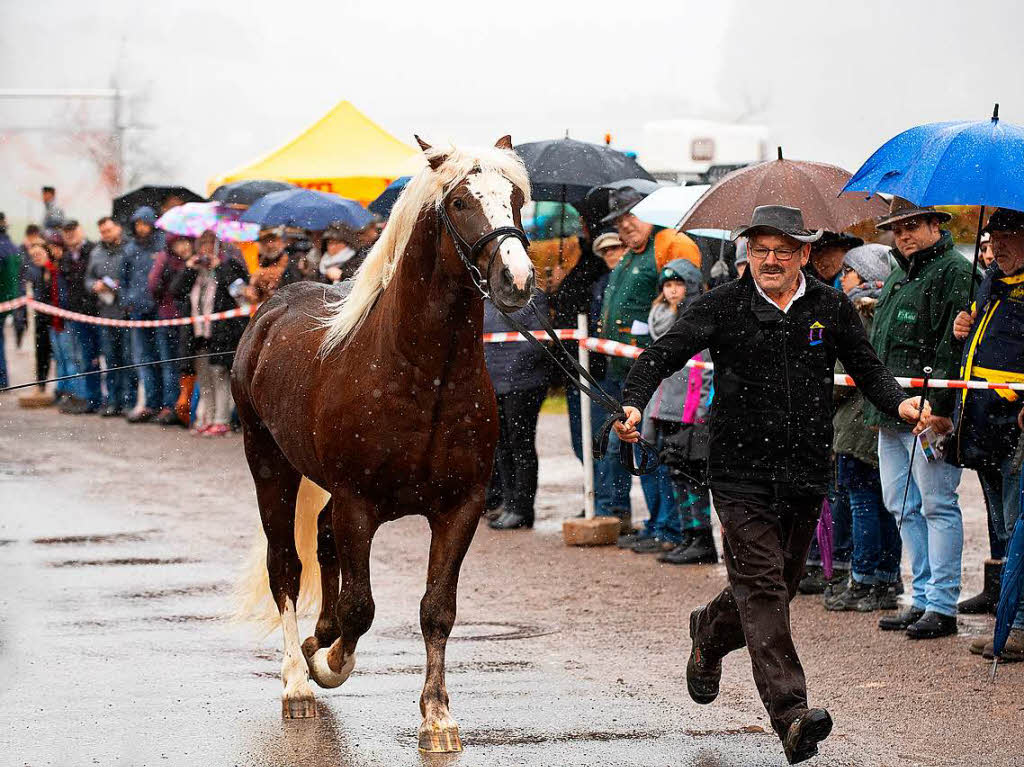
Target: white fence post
(586, 428)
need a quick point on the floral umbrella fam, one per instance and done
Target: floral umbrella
(194, 218)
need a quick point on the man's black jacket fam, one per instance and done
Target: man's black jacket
(771, 416)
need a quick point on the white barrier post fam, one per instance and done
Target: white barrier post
(586, 428)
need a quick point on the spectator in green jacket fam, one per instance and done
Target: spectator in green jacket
(632, 286)
(914, 329)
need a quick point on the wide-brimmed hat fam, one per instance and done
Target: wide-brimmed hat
(839, 240)
(620, 202)
(1005, 220)
(781, 219)
(900, 210)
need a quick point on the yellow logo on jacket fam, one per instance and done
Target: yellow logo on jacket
(816, 334)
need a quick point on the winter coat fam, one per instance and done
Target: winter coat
(853, 436)
(913, 325)
(574, 295)
(985, 423)
(139, 256)
(515, 365)
(10, 269)
(165, 267)
(79, 298)
(632, 286)
(771, 418)
(225, 334)
(268, 278)
(106, 261)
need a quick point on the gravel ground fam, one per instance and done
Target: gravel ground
(120, 543)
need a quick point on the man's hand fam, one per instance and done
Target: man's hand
(627, 431)
(99, 287)
(910, 413)
(938, 424)
(962, 325)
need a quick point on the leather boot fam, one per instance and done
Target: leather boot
(901, 620)
(700, 551)
(988, 599)
(932, 625)
(703, 673)
(804, 735)
(509, 520)
(813, 581)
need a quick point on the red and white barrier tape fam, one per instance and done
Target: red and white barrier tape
(600, 345)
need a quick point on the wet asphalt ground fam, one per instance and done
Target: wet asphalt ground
(119, 545)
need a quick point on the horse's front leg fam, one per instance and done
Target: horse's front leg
(451, 534)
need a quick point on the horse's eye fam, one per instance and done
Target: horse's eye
(458, 204)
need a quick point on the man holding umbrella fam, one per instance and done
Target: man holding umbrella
(914, 329)
(774, 337)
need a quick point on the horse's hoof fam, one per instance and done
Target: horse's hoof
(298, 706)
(309, 647)
(322, 673)
(438, 740)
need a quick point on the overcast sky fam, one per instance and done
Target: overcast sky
(216, 84)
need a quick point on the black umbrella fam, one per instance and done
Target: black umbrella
(247, 192)
(564, 170)
(597, 204)
(152, 196)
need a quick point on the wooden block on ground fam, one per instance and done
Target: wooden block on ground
(599, 531)
(35, 400)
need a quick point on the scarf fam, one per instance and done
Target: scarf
(202, 295)
(339, 258)
(661, 319)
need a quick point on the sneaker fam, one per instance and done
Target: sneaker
(836, 585)
(856, 597)
(889, 595)
(932, 625)
(901, 620)
(653, 545)
(167, 417)
(215, 430)
(141, 416)
(813, 581)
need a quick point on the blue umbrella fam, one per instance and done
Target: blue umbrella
(950, 163)
(1010, 590)
(306, 209)
(386, 200)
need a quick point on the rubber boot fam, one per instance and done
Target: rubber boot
(701, 550)
(988, 599)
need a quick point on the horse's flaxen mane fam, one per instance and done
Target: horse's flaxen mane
(428, 187)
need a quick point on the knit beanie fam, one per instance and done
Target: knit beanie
(870, 261)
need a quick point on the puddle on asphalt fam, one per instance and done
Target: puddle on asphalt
(108, 538)
(120, 562)
(185, 591)
(481, 631)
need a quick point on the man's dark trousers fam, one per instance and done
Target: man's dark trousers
(767, 531)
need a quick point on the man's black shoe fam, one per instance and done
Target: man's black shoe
(932, 626)
(805, 733)
(813, 581)
(699, 551)
(630, 540)
(510, 521)
(703, 674)
(901, 620)
(110, 411)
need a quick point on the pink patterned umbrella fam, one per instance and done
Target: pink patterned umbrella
(194, 218)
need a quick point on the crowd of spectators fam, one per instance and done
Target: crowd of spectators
(632, 281)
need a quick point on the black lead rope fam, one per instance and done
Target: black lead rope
(113, 370)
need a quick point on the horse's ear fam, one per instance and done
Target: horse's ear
(505, 142)
(434, 160)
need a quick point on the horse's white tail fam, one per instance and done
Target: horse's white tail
(254, 601)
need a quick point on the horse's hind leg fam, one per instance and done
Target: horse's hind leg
(277, 487)
(327, 627)
(354, 525)
(451, 535)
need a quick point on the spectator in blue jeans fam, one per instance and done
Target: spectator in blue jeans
(50, 287)
(139, 304)
(166, 266)
(102, 279)
(875, 577)
(86, 335)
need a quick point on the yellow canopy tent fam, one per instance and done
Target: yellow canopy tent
(344, 152)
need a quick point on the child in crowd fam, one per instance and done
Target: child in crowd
(675, 422)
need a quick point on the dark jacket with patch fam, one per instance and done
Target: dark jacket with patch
(985, 429)
(913, 325)
(771, 418)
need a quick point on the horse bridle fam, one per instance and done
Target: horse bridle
(469, 253)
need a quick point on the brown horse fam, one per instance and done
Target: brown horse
(380, 396)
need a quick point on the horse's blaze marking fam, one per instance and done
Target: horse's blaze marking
(494, 192)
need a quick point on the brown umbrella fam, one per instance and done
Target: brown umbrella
(811, 186)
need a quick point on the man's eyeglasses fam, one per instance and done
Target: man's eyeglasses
(782, 254)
